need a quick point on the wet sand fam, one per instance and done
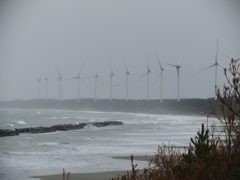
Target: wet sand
(98, 175)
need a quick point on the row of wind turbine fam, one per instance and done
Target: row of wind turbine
(96, 76)
(147, 73)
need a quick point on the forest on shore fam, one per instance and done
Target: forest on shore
(168, 106)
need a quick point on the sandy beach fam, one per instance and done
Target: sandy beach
(98, 175)
(84, 176)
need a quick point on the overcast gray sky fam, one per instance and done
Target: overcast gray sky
(36, 36)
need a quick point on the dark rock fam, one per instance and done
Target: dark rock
(7, 132)
(60, 127)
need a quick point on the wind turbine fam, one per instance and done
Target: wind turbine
(147, 73)
(39, 86)
(216, 64)
(178, 74)
(59, 84)
(111, 76)
(96, 78)
(46, 81)
(78, 81)
(127, 73)
(234, 60)
(161, 74)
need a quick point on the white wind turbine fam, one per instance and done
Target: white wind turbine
(161, 74)
(96, 79)
(59, 84)
(148, 74)
(111, 77)
(127, 73)
(39, 86)
(78, 81)
(46, 83)
(216, 64)
(178, 74)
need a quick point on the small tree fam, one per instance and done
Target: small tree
(228, 102)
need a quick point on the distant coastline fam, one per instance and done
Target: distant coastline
(198, 107)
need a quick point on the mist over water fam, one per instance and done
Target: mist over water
(89, 149)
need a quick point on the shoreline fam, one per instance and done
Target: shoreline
(189, 107)
(84, 176)
(105, 175)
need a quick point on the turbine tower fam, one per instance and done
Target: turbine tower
(148, 74)
(78, 81)
(111, 77)
(161, 74)
(59, 84)
(96, 78)
(216, 64)
(46, 82)
(178, 74)
(39, 86)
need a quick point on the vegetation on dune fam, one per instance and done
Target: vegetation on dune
(211, 155)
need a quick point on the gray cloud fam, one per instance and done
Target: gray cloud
(38, 35)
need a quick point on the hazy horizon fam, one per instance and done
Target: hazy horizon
(38, 36)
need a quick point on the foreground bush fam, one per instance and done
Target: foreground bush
(208, 157)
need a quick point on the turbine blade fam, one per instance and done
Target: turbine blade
(216, 57)
(220, 65)
(58, 72)
(126, 65)
(167, 69)
(107, 80)
(118, 77)
(141, 77)
(158, 60)
(84, 83)
(99, 67)
(46, 77)
(225, 55)
(153, 72)
(179, 62)
(156, 79)
(206, 68)
(111, 66)
(172, 65)
(147, 61)
(88, 77)
(80, 69)
(100, 80)
(71, 78)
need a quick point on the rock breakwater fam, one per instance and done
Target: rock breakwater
(60, 127)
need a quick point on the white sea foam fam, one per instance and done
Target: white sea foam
(21, 122)
(85, 148)
(51, 118)
(8, 125)
(91, 121)
(48, 144)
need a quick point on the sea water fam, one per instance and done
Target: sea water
(89, 149)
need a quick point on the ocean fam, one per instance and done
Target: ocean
(89, 149)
